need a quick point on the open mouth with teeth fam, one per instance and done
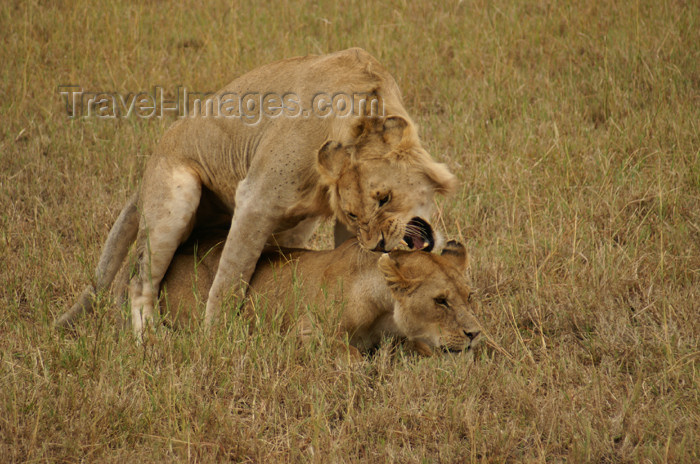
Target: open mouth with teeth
(419, 235)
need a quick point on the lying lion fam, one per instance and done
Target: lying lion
(331, 138)
(415, 295)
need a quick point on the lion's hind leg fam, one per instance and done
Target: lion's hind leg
(169, 204)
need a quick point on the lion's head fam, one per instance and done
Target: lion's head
(382, 184)
(432, 297)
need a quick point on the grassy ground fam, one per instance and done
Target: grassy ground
(574, 129)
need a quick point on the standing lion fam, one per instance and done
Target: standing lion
(273, 172)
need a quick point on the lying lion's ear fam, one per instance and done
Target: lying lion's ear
(331, 158)
(456, 254)
(395, 278)
(445, 182)
(393, 130)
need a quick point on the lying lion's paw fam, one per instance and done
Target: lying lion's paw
(347, 355)
(419, 347)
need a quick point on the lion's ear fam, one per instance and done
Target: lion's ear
(456, 254)
(444, 181)
(395, 278)
(394, 129)
(331, 158)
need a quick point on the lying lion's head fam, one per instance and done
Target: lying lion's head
(382, 185)
(432, 297)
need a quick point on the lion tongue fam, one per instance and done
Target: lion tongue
(417, 242)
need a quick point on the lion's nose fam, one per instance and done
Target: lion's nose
(471, 335)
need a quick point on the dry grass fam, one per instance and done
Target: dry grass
(574, 131)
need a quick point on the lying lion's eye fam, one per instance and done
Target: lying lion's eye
(384, 200)
(441, 301)
(352, 216)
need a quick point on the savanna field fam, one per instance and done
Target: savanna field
(574, 129)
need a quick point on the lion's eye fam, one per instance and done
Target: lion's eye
(442, 301)
(384, 200)
(352, 216)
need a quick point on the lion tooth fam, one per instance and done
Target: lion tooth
(403, 242)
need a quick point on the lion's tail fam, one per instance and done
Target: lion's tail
(120, 238)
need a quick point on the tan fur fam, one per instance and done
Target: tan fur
(116, 247)
(272, 179)
(369, 295)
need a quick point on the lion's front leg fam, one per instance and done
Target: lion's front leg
(250, 229)
(419, 347)
(345, 353)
